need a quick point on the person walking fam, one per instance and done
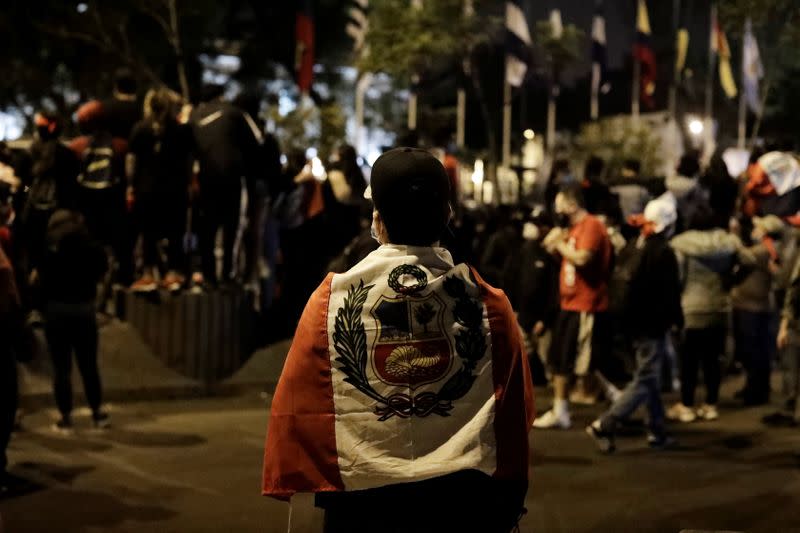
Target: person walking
(651, 308)
(581, 330)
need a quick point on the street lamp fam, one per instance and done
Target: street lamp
(529, 134)
(696, 126)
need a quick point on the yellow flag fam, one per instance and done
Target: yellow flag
(682, 48)
(725, 72)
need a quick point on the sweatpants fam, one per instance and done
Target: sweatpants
(220, 207)
(702, 346)
(72, 330)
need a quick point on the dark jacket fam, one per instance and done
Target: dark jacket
(531, 284)
(73, 263)
(653, 303)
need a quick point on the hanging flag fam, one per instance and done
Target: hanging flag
(643, 53)
(556, 26)
(724, 62)
(682, 41)
(752, 68)
(357, 23)
(599, 55)
(518, 41)
(304, 47)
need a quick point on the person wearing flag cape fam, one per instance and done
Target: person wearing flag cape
(406, 399)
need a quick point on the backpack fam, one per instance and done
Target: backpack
(625, 266)
(97, 167)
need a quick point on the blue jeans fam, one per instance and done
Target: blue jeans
(644, 388)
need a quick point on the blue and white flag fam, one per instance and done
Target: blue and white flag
(518, 41)
(752, 68)
(599, 53)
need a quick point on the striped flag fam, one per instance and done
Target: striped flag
(752, 68)
(518, 41)
(719, 45)
(599, 58)
(304, 47)
(682, 40)
(643, 53)
(357, 23)
(405, 368)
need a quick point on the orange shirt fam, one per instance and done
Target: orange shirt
(585, 288)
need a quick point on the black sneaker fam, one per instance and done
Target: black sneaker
(779, 420)
(64, 427)
(603, 439)
(661, 441)
(101, 420)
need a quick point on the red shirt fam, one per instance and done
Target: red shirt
(585, 288)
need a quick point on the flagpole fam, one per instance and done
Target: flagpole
(709, 104)
(551, 119)
(412, 97)
(637, 82)
(594, 107)
(742, 105)
(506, 156)
(461, 94)
(673, 88)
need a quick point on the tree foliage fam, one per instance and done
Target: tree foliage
(403, 41)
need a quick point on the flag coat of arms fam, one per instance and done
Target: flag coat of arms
(405, 368)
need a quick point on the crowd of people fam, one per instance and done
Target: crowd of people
(617, 280)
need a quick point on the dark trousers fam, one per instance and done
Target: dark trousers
(645, 388)
(162, 215)
(702, 346)
(73, 329)
(753, 349)
(219, 208)
(8, 402)
(463, 502)
(108, 222)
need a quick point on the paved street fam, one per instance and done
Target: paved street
(194, 465)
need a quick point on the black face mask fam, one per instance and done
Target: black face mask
(562, 220)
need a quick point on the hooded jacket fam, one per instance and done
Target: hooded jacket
(705, 258)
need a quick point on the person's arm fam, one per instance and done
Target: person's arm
(577, 257)
(788, 312)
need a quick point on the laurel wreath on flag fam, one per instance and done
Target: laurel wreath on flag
(350, 343)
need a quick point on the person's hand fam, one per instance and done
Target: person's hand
(33, 279)
(734, 226)
(783, 335)
(552, 239)
(774, 267)
(538, 329)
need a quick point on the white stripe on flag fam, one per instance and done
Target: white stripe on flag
(516, 22)
(515, 71)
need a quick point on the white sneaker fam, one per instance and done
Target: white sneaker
(681, 413)
(550, 420)
(707, 412)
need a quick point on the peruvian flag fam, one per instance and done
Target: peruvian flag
(643, 53)
(405, 368)
(304, 47)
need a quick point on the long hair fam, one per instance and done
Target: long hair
(159, 108)
(352, 172)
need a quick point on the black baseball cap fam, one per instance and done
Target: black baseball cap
(411, 190)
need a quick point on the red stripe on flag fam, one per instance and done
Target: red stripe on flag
(304, 58)
(300, 453)
(514, 407)
(644, 54)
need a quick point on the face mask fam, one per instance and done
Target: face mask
(530, 232)
(374, 233)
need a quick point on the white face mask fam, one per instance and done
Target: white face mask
(530, 231)
(373, 232)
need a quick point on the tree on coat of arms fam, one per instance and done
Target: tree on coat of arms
(424, 314)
